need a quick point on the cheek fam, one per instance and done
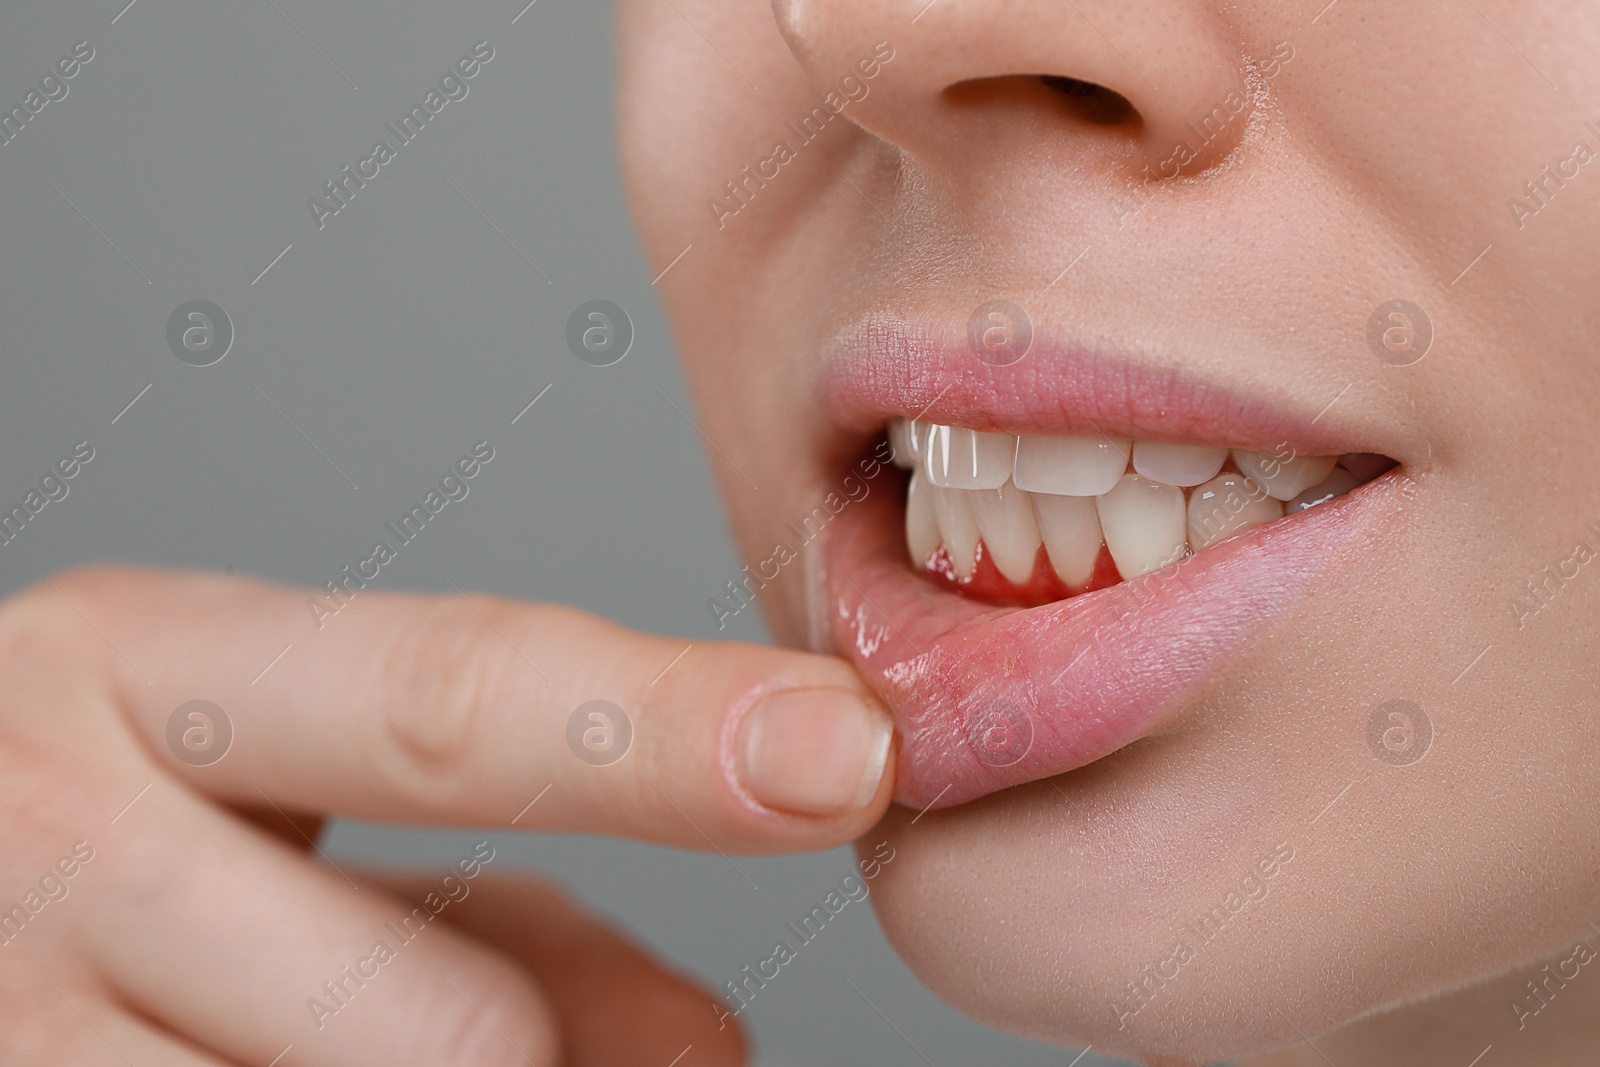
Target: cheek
(689, 125)
(685, 118)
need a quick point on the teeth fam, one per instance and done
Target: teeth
(1224, 506)
(1009, 532)
(1283, 478)
(1338, 483)
(958, 527)
(1365, 465)
(1069, 466)
(1144, 525)
(1070, 527)
(922, 526)
(903, 444)
(1177, 464)
(959, 458)
(1076, 495)
(906, 436)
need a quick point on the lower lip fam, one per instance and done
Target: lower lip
(989, 697)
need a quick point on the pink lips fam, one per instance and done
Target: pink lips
(988, 697)
(890, 368)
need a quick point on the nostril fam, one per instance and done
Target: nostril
(1091, 102)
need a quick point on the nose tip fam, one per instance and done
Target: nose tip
(1149, 73)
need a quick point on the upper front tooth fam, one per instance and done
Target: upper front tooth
(922, 527)
(1283, 478)
(1171, 464)
(1144, 525)
(1069, 466)
(1005, 521)
(958, 458)
(958, 528)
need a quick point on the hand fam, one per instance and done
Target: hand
(145, 917)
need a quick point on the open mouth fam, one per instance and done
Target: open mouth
(1025, 520)
(1081, 543)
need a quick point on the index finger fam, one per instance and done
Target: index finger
(485, 711)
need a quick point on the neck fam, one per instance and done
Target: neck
(1548, 1014)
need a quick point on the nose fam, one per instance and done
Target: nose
(1152, 73)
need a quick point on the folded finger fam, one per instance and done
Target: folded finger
(123, 1039)
(616, 1004)
(67, 1023)
(228, 936)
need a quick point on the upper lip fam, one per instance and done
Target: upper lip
(888, 366)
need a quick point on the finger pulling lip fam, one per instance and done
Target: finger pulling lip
(989, 697)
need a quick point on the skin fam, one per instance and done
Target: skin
(178, 915)
(1419, 900)
(1377, 163)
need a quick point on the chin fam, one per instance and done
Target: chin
(1160, 915)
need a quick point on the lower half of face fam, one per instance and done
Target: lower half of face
(1185, 418)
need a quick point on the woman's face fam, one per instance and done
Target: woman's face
(1177, 815)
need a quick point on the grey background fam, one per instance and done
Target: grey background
(365, 361)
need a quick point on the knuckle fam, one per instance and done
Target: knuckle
(51, 617)
(50, 655)
(494, 1018)
(38, 1026)
(31, 805)
(38, 623)
(433, 681)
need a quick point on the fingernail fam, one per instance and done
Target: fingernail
(815, 751)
